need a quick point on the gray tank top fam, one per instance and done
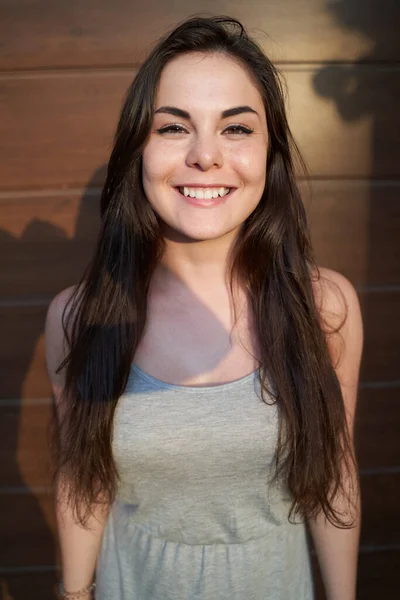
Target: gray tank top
(195, 517)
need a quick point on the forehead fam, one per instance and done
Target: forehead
(206, 79)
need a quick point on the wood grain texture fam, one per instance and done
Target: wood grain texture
(47, 239)
(57, 129)
(25, 444)
(380, 361)
(23, 372)
(378, 575)
(380, 494)
(25, 436)
(71, 119)
(377, 424)
(354, 227)
(85, 33)
(35, 586)
(27, 530)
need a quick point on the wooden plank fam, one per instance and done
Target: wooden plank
(37, 586)
(377, 424)
(378, 575)
(47, 239)
(354, 229)
(24, 444)
(380, 494)
(28, 523)
(71, 119)
(62, 125)
(380, 361)
(343, 119)
(25, 430)
(51, 34)
(27, 530)
(23, 372)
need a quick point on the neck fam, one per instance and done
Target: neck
(195, 264)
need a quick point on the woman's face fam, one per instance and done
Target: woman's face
(209, 134)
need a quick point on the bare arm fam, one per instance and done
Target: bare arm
(337, 549)
(79, 546)
(337, 552)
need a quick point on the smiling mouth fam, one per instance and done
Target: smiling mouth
(212, 193)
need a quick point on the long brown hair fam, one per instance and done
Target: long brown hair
(272, 256)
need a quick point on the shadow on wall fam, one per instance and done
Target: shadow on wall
(370, 88)
(22, 504)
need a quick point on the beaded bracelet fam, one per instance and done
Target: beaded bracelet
(72, 595)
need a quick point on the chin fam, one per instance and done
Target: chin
(196, 234)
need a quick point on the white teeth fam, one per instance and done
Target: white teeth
(204, 193)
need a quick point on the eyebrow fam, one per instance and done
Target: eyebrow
(183, 114)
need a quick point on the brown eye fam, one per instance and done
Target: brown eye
(171, 129)
(238, 129)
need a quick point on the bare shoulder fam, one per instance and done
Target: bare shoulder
(54, 335)
(336, 297)
(339, 308)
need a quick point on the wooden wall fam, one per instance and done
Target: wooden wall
(64, 68)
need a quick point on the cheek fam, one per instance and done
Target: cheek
(251, 165)
(157, 163)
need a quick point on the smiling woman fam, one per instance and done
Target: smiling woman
(205, 370)
(210, 148)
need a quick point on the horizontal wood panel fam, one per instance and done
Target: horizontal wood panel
(23, 372)
(25, 444)
(380, 499)
(30, 536)
(71, 120)
(343, 119)
(354, 227)
(377, 425)
(380, 310)
(377, 577)
(51, 34)
(27, 530)
(36, 586)
(46, 240)
(25, 431)
(57, 130)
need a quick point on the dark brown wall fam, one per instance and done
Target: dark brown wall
(64, 68)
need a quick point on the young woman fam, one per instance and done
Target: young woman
(205, 370)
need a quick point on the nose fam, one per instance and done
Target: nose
(204, 153)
